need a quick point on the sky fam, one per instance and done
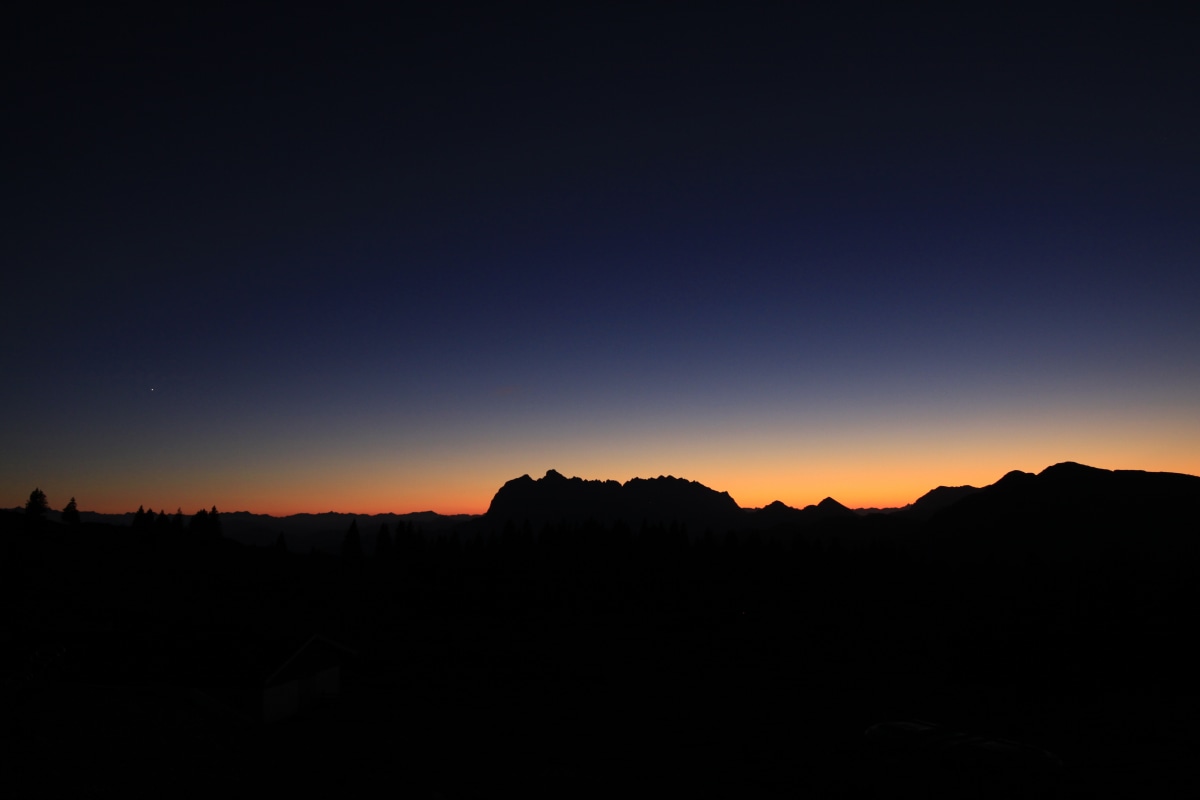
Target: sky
(297, 261)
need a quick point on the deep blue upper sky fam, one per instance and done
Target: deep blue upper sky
(367, 259)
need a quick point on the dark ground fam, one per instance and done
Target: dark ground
(662, 667)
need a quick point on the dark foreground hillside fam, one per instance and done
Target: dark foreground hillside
(589, 659)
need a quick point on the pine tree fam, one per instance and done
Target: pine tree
(70, 514)
(352, 544)
(383, 544)
(162, 524)
(36, 507)
(198, 527)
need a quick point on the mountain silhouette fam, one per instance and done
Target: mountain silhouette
(935, 500)
(830, 509)
(1038, 588)
(663, 500)
(1070, 510)
(778, 515)
(1066, 510)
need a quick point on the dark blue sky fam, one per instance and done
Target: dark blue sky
(301, 260)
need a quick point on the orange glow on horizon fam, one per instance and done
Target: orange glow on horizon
(873, 463)
(879, 487)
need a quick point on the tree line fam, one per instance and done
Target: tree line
(204, 523)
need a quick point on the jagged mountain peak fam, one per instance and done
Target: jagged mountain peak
(666, 498)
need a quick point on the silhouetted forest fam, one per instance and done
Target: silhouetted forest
(1030, 638)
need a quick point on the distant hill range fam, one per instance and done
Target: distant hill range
(1063, 510)
(1070, 508)
(1053, 513)
(778, 514)
(303, 532)
(935, 500)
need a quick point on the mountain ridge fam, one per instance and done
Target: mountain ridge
(665, 499)
(1065, 495)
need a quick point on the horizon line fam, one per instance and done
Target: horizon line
(858, 507)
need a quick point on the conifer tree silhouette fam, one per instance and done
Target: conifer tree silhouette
(198, 527)
(36, 506)
(70, 513)
(383, 544)
(205, 524)
(351, 543)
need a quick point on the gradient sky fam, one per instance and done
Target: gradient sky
(298, 262)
